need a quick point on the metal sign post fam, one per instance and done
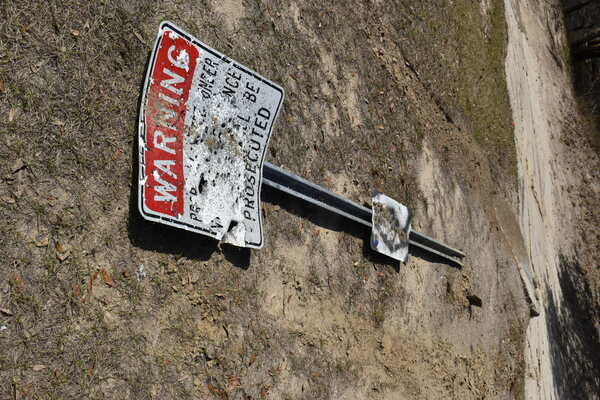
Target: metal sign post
(296, 186)
(204, 128)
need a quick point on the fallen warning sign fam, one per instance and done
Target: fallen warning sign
(204, 128)
(205, 123)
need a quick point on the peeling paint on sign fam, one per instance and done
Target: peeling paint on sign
(391, 227)
(204, 128)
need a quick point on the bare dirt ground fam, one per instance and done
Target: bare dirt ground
(558, 176)
(409, 98)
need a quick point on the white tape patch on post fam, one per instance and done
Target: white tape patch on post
(391, 224)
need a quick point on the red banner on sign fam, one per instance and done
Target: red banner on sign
(172, 74)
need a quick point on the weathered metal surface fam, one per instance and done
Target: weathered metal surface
(299, 187)
(435, 244)
(391, 227)
(204, 128)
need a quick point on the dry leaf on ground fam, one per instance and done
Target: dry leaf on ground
(18, 282)
(41, 240)
(106, 277)
(12, 114)
(7, 200)
(6, 311)
(62, 252)
(92, 279)
(217, 391)
(18, 165)
(233, 381)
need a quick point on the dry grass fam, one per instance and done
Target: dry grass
(195, 325)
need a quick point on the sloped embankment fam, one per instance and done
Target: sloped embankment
(402, 97)
(556, 165)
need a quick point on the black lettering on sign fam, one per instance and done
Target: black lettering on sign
(207, 67)
(207, 77)
(232, 74)
(211, 63)
(260, 123)
(250, 97)
(250, 191)
(232, 82)
(248, 216)
(265, 113)
(254, 145)
(248, 203)
(251, 168)
(206, 86)
(206, 82)
(227, 91)
(216, 223)
(250, 86)
(250, 158)
(232, 79)
(255, 133)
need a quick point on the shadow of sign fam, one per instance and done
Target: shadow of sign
(170, 240)
(328, 220)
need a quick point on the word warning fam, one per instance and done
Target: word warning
(204, 128)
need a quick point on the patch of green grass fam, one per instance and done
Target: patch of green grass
(461, 62)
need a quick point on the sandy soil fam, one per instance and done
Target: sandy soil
(542, 101)
(403, 97)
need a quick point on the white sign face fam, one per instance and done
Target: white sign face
(204, 128)
(391, 227)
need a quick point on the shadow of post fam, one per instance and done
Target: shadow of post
(329, 220)
(430, 257)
